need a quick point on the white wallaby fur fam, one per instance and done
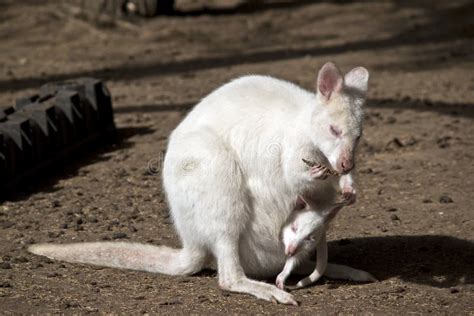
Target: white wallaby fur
(305, 232)
(231, 172)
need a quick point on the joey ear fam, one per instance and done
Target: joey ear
(357, 78)
(331, 213)
(329, 80)
(300, 203)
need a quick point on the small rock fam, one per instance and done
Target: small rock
(119, 235)
(394, 217)
(52, 274)
(55, 203)
(6, 224)
(47, 260)
(399, 289)
(5, 265)
(426, 201)
(366, 170)
(171, 302)
(453, 290)
(445, 199)
(20, 259)
(29, 241)
(396, 141)
(391, 120)
(114, 222)
(67, 305)
(411, 141)
(53, 234)
(79, 221)
(331, 286)
(443, 142)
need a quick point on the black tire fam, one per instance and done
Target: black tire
(150, 8)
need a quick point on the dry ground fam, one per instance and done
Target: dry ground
(412, 226)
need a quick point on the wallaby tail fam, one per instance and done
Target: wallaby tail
(134, 256)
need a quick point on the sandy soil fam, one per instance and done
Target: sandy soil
(412, 226)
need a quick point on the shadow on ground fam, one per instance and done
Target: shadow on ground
(45, 180)
(444, 25)
(444, 108)
(438, 261)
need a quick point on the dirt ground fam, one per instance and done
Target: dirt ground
(412, 226)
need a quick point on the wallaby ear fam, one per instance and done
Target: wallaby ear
(332, 212)
(329, 80)
(300, 203)
(357, 78)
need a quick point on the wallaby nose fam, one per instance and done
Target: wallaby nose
(347, 165)
(290, 250)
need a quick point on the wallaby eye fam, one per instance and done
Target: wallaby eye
(293, 227)
(309, 238)
(335, 131)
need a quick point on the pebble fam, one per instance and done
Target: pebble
(52, 274)
(5, 265)
(391, 120)
(53, 234)
(20, 259)
(445, 199)
(119, 235)
(171, 302)
(366, 170)
(55, 203)
(92, 219)
(132, 228)
(4, 224)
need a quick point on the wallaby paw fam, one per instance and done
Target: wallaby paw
(319, 172)
(349, 194)
(280, 282)
(281, 297)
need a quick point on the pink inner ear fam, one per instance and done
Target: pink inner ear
(300, 203)
(329, 80)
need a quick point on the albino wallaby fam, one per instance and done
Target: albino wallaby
(231, 171)
(304, 232)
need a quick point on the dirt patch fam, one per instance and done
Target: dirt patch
(412, 226)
